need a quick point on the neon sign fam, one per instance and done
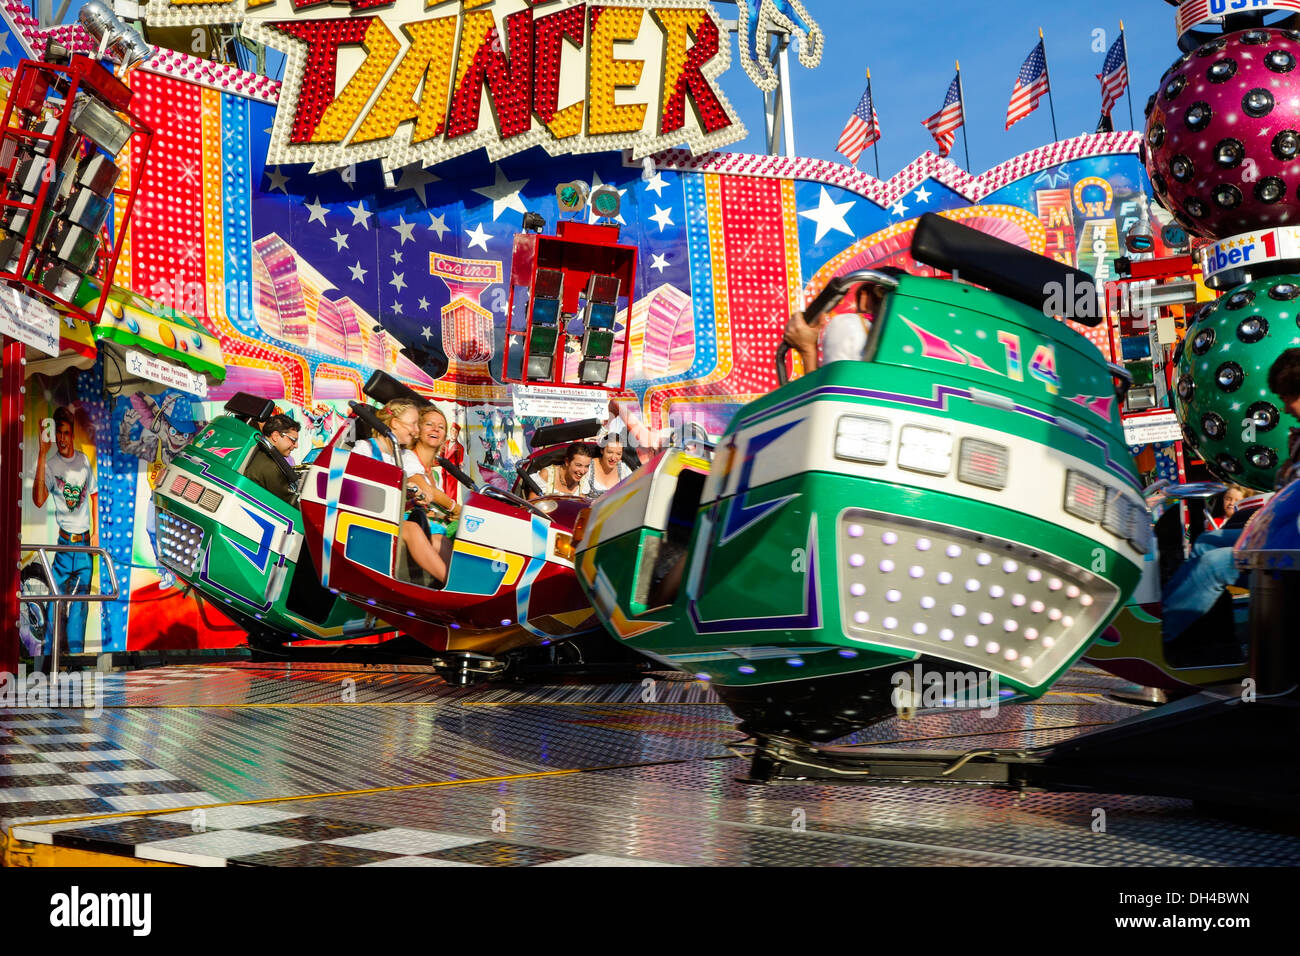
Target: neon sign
(406, 81)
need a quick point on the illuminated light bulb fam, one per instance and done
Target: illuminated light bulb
(922, 544)
(889, 538)
(1009, 626)
(794, 661)
(958, 610)
(916, 571)
(1026, 662)
(927, 602)
(861, 617)
(746, 669)
(918, 628)
(1072, 591)
(893, 596)
(992, 647)
(855, 530)
(984, 559)
(1034, 575)
(1049, 641)
(1011, 654)
(890, 623)
(1054, 614)
(1010, 567)
(1054, 584)
(847, 652)
(857, 560)
(1067, 621)
(886, 566)
(985, 617)
(946, 634)
(857, 589)
(944, 577)
(1038, 607)
(953, 551)
(996, 591)
(970, 640)
(1031, 633)
(1085, 600)
(972, 585)
(1018, 600)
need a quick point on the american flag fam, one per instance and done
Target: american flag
(943, 124)
(862, 129)
(1113, 75)
(1031, 84)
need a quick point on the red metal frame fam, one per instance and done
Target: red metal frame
(577, 249)
(33, 82)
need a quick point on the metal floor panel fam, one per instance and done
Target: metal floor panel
(285, 733)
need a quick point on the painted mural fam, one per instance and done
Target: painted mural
(313, 280)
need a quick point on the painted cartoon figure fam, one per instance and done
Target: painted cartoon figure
(69, 479)
(159, 439)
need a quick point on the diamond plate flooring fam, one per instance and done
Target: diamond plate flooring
(320, 764)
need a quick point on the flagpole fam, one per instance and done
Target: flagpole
(1128, 87)
(961, 98)
(1048, 73)
(875, 146)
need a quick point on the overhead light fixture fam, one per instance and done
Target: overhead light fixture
(606, 202)
(572, 197)
(123, 43)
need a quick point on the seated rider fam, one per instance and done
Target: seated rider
(846, 334)
(402, 417)
(570, 477)
(270, 467)
(1211, 568)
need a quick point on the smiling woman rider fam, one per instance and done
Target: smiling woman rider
(402, 417)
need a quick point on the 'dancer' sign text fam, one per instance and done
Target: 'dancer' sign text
(405, 81)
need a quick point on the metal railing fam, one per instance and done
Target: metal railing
(61, 600)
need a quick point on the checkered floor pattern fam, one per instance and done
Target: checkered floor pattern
(50, 766)
(257, 836)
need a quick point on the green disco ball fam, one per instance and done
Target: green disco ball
(1221, 395)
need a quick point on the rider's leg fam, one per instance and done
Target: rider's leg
(1194, 589)
(434, 555)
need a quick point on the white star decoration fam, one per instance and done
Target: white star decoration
(898, 209)
(657, 185)
(423, 303)
(427, 333)
(397, 256)
(340, 240)
(829, 215)
(277, 180)
(504, 194)
(438, 224)
(360, 214)
(415, 178)
(317, 212)
(659, 263)
(358, 273)
(923, 195)
(662, 216)
(477, 237)
(405, 230)
(398, 281)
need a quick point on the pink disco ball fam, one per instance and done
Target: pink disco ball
(1222, 143)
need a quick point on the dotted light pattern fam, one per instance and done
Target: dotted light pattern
(507, 72)
(550, 34)
(339, 117)
(1221, 391)
(427, 59)
(753, 245)
(927, 166)
(1223, 134)
(610, 25)
(684, 70)
(771, 16)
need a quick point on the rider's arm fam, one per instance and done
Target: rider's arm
(802, 337)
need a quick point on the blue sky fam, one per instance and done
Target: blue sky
(911, 60)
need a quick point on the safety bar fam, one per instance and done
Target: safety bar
(62, 600)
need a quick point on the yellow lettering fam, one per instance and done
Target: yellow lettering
(605, 74)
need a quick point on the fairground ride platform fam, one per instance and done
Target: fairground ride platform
(333, 765)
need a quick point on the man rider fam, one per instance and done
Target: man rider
(270, 467)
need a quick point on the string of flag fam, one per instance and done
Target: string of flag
(1032, 84)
